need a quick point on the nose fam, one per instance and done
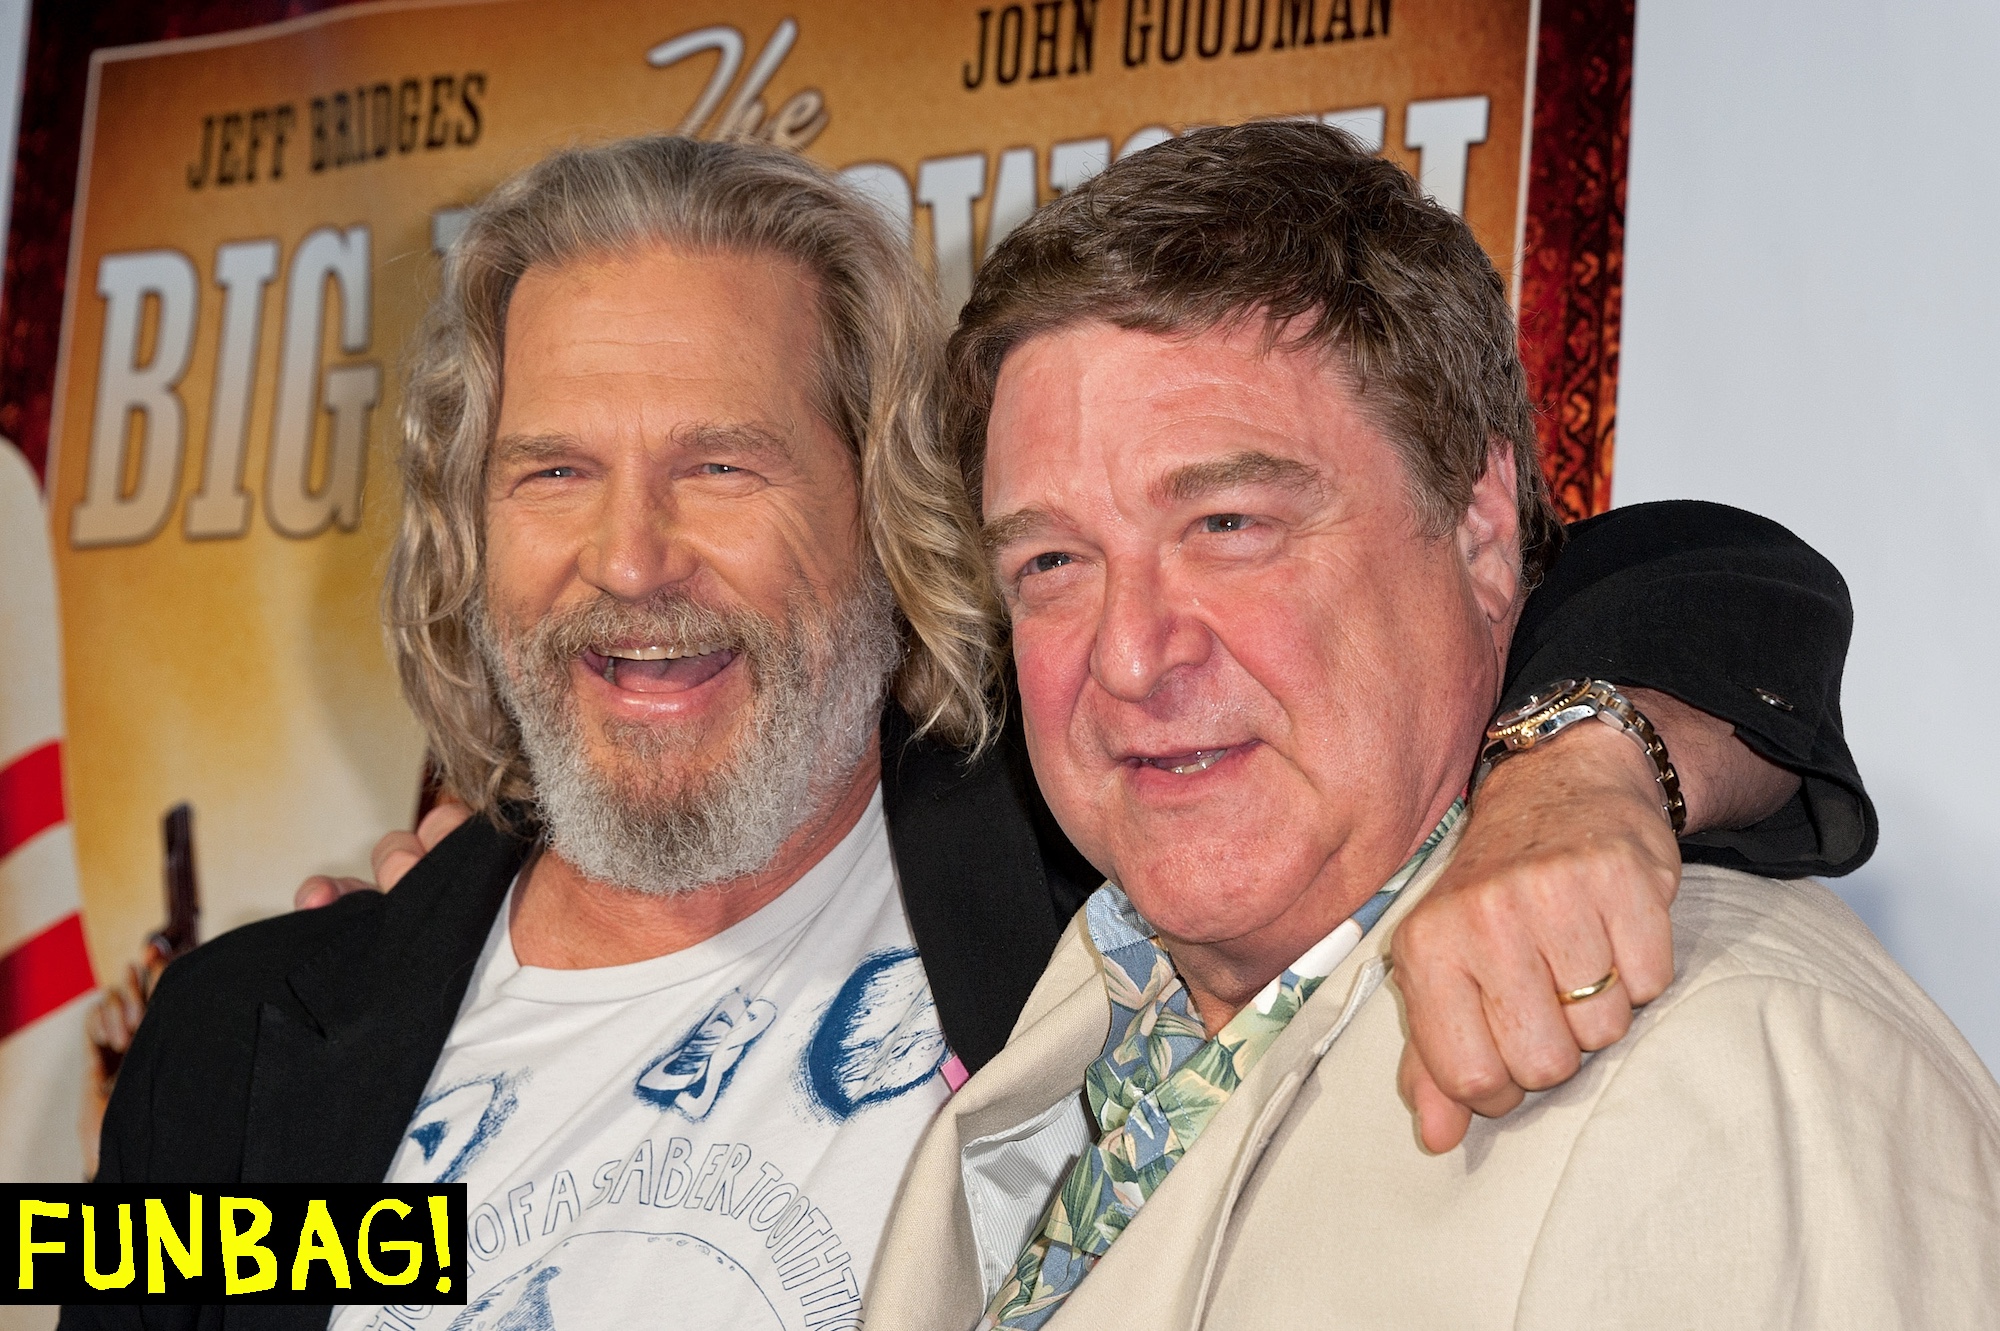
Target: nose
(1143, 636)
(635, 548)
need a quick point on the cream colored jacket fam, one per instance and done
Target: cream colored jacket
(1792, 1136)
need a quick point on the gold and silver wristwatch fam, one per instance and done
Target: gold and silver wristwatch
(1561, 705)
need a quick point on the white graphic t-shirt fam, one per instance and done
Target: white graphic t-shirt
(705, 1140)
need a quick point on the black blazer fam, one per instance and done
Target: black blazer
(296, 1049)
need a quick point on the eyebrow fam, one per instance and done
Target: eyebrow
(755, 440)
(1008, 528)
(1200, 479)
(1178, 486)
(515, 449)
(743, 437)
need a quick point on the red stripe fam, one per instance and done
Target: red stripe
(44, 973)
(31, 796)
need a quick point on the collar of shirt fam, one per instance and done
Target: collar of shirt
(1131, 948)
(1159, 1082)
(1152, 1013)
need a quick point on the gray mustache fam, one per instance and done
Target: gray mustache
(678, 623)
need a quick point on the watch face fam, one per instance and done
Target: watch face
(1542, 700)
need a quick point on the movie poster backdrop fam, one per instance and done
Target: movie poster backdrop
(256, 222)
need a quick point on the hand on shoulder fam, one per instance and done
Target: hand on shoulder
(394, 855)
(1564, 878)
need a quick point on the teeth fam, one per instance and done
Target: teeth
(653, 653)
(1200, 762)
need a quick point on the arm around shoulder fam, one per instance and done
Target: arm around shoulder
(1737, 617)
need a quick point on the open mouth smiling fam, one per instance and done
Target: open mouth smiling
(1188, 762)
(652, 668)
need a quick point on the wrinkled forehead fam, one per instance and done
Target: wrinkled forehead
(733, 309)
(718, 332)
(1167, 417)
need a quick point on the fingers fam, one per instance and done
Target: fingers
(321, 890)
(1441, 1120)
(1482, 961)
(443, 819)
(1537, 902)
(104, 1025)
(1528, 1025)
(1600, 1021)
(1450, 1032)
(1642, 944)
(131, 998)
(315, 892)
(1482, 1007)
(396, 853)
(93, 1023)
(1565, 871)
(1578, 951)
(115, 1016)
(393, 856)
(1630, 932)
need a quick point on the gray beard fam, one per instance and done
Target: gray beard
(646, 826)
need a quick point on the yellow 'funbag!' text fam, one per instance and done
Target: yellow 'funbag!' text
(350, 1243)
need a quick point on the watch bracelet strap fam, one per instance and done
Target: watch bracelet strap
(1604, 702)
(1636, 724)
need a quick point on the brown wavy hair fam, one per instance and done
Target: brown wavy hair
(1278, 221)
(876, 383)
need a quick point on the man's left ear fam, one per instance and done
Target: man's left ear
(1489, 535)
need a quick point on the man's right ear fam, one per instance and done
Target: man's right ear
(1489, 539)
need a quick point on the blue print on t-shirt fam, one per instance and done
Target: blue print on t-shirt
(878, 1039)
(690, 1077)
(455, 1124)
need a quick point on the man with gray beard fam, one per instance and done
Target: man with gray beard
(818, 678)
(694, 614)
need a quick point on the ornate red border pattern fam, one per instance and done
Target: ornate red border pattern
(1573, 243)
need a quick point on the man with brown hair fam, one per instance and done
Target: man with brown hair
(1259, 480)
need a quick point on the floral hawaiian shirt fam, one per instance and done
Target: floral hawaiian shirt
(1158, 1084)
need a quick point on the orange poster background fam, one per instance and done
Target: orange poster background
(246, 674)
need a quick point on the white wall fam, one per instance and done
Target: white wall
(1812, 330)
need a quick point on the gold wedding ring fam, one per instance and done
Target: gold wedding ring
(1589, 990)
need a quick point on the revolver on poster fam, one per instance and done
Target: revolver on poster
(181, 931)
(115, 1017)
(111, 1033)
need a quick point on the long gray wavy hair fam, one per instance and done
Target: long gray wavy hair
(877, 380)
